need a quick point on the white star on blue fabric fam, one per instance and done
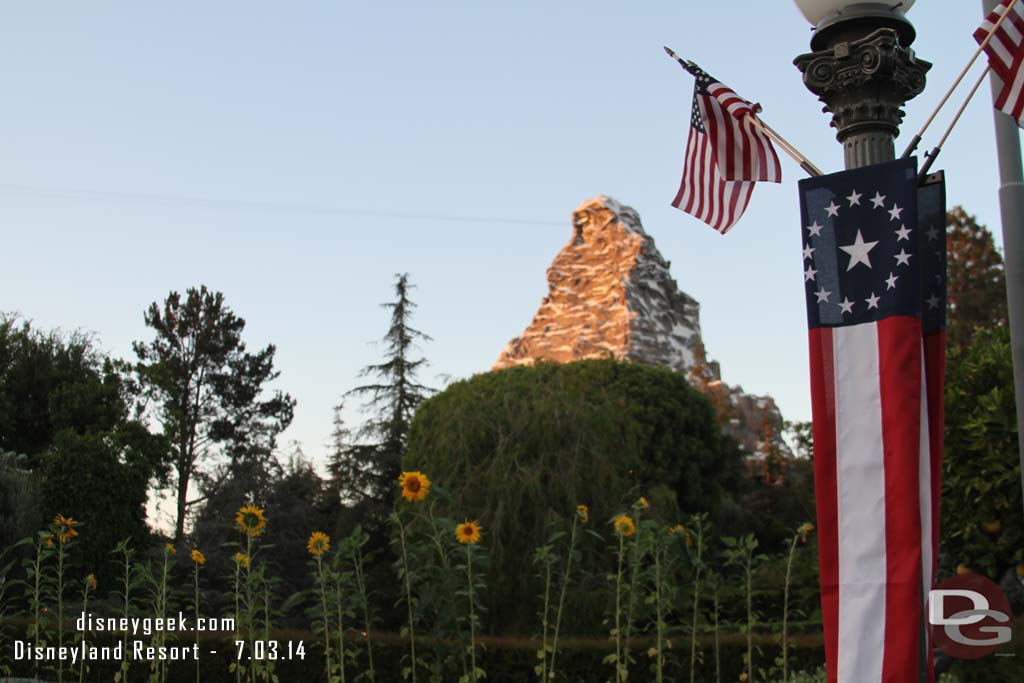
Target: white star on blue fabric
(854, 198)
(878, 201)
(815, 229)
(832, 209)
(809, 274)
(903, 258)
(933, 301)
(891, 280)
(858, 251)
(932, 233)
(894, 212)
(808, 250)
(823, 295)
(846, 306)
(903, 233)
(872, 301)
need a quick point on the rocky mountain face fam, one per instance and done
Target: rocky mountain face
(611, 295)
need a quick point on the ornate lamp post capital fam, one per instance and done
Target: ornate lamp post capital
(864, 72)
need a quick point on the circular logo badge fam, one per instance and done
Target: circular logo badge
(969, 616)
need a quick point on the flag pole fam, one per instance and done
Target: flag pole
(916, 140)
(789, 149)
(1011, 210)
(938, 148)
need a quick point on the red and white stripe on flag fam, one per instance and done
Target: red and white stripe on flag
(1005, 52)
(725, 154)
(866, 400)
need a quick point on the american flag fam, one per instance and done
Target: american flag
(1005, 53)
(876, 351)
(725, 154)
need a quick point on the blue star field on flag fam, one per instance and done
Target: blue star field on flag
(862, 251)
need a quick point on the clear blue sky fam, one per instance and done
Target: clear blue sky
(152, 146)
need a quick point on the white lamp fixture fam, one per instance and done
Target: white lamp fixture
(833, 17)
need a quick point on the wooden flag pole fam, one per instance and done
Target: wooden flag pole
(916, 140)
(938, 148)
(789, 149)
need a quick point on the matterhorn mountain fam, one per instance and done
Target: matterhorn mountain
(611, 295)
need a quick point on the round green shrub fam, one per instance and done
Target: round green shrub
(519, 448)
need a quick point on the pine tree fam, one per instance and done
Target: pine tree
(977, 282)
(367, 470)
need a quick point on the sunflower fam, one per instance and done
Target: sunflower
(170, 549)
(583, 513)
(642, 503)
(90, 581)
(49, 540)
(318, 544)
(198, 557)
(624, 525)
(64, 528)
(415, 486)
(468, 532)
(680, 530)
(250, 520)
(805, 530)
(242, 559)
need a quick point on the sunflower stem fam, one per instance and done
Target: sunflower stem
(561, 596)
(323, 605)
(408, 596)
(472, 613)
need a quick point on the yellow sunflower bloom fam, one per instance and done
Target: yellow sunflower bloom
(250, 520)
(415, 486)
(468, 532)
(170, 549)
(242, 559)
(642, 503)
(680, 530)
(318, 544)
(624, 525)
(198, 557)
(64, 528)
(583, 513)
(90, 581)
(805, 530)
(49, 540)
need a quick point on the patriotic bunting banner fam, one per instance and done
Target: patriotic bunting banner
(872, 385)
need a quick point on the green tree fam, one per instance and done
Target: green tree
(74, 444)
(976, 279)
(981, 493)
(520, 448)
(208, 390)
(368, 469)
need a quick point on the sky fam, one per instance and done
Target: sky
(297, 155)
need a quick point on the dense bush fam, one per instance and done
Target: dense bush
(520, 447)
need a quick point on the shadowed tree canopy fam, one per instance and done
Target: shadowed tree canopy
(72, 441)
(977, 282)
(521, 447)
(207, 389)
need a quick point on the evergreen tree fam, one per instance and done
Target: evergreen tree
(977, 282)
(366, 471)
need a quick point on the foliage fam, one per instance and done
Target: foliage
(73, 441)
(365, 471)
(101, 478)
(981, 485)
(208, 390)
(976, 279)
(521, 445)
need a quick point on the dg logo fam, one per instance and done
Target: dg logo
(969, 616)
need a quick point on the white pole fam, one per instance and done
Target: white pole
(1011, 209)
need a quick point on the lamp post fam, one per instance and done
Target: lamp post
(863, 70)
